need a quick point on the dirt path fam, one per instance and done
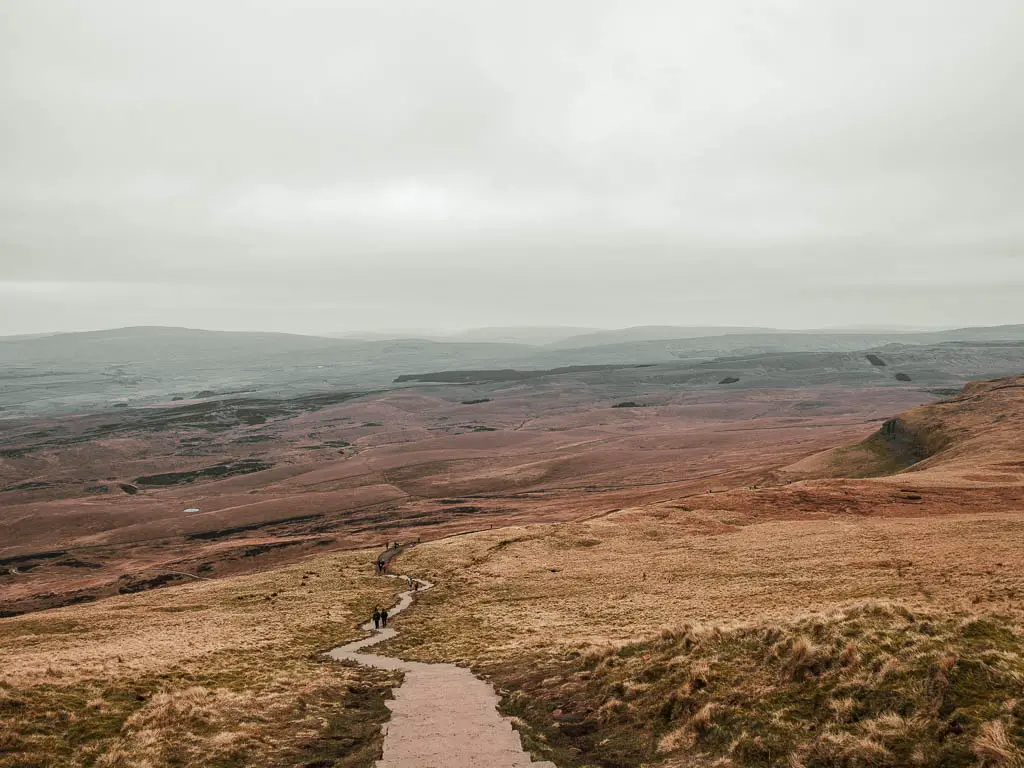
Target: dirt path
(442, 716)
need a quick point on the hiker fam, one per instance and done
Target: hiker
(376, 617)
(384, 618)
(415, 586)
(409, 581)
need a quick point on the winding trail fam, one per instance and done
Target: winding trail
(442, 716)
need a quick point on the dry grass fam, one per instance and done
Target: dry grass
(731, 630)
(224, 673)
(527, 590)
(995, 747)
(555, 626)
(922, 690)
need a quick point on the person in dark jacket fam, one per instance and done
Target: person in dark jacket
(376, 618)
(384, 618)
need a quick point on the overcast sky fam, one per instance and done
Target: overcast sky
(330, 166)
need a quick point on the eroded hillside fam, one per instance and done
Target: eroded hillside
(976, 436)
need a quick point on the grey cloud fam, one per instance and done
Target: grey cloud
(669, 159)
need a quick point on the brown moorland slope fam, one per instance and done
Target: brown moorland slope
(296, 483)
(974, 437)
(216, 673)
(744, 628)
(846, 622)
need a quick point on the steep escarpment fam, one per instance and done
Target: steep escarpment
(977, 435)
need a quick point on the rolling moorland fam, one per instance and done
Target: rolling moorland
(161, 485)
(836, 621)
(816, 563)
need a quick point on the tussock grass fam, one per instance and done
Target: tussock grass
(878, 671)
(225, 673)
(520, 591)
(996, 747)
(921, 689)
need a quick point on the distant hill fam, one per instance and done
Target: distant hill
(73, 372)
(534, 335)
(980, 333)
(652, 333)
(522, 334)
(140, 343)
(865, 337)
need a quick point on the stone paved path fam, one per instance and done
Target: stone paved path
(442, 716)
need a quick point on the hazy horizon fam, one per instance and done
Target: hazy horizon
(328, 167)
(486, 332)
